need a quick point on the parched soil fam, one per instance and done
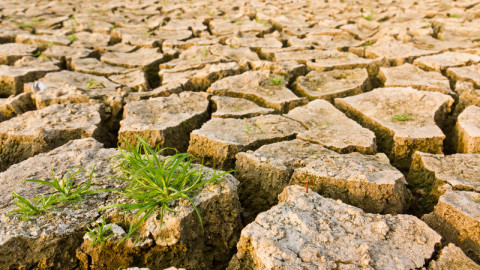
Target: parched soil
(351, 129)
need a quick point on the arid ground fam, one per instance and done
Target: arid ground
(350, 131)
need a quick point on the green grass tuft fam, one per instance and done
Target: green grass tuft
(277, 79)
(155, 181)
(402, 117)
(101, 233)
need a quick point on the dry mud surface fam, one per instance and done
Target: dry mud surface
(353, 128)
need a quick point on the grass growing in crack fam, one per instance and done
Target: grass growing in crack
(368, 17)
(277, 80)
(92, 83)
(100, 233)
(249, 130)
(155, 182)
(32, 207)
(67, 191)
(402, 117)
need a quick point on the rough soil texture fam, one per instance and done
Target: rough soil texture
(334, 235)
(468, 130)
(179, 240)
(452, 257)
(42, 130)
(372, 103)
(164, 121)
(404, 120)
(219, 140)
(49, 241)
(330, 128)
(457, 218)
(430, 175)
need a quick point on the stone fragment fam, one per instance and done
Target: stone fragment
(263, 88)
(27, 69)
(228, 107)
(219, 140)
(288, 69)
(329, 60)
(457, 218)
(95, 67)
(441, 62)
(264, 173)
(135, 80)
(65, 54)
(179, 240)
(146, 59)
(468, 74)
(333, 84)
(404, 120)
(11, 52)
(468, 95)
(408, 75)
(73, 87)
(468, 130)
(253, 42)
(39, 131)
(367, 182)
(396, 52)
(452, 257)
(8, 34)
(165, 122)
(44, 40)
(89, 40)
(330, 128)
(50, 240)
(220, 27)
(308, 231)
(430, 175)
(13, 106)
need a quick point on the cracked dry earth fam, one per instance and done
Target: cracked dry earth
(353, 128)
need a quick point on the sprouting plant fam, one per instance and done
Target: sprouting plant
(92, 83)
(72, 37)
(249, 130)
(211, 13)
(368, 17)
(477, 200)
(277, 79)
(238, 22)
(25, 26)
(402, 117)
(32, 207)
(154, 181)
(204, 53)
(453, 15)
(100, 233)
(40, 54)
(367, 44)
(68, 190)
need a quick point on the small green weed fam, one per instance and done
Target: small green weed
(367, 44)
(277, 79)
(66, 187)
(72, 37)
(402, 117)
(101, 233)
(66, 192)
(368, 17)
(453, 15)
(154, 182)
(92, 83)
(249, 130)
(33, 207)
